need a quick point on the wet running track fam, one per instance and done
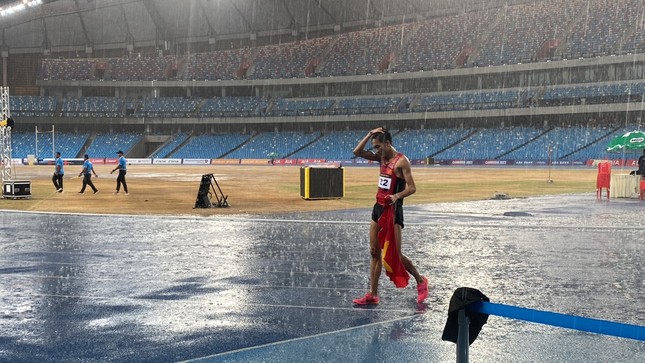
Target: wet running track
(89, 288)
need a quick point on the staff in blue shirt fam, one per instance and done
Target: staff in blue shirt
(88, 169)
(57, 179)
(122, 168)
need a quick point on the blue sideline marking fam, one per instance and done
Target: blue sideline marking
(590, 325)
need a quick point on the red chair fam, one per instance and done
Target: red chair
(642, 190)
(604, 178)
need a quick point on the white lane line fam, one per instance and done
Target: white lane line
(179, 282)
(302, 338)
(202, 304)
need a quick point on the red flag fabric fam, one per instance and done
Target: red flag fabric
(394, 268)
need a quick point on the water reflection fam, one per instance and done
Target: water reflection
(75, 287)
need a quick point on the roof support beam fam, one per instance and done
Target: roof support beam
(46, 44)
(129, 39)
(294, 23)
(373, 11)
(80, 17)
(244, 19)
(413, 6)
(160, 26)
(325, 10)
(211, 30)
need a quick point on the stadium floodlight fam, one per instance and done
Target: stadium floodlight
(18, 6)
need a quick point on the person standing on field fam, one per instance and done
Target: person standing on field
(59, 172)
(641, 165)
(88, 170)
(395, 183)
(122, 168)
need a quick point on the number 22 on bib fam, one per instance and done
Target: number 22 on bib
(384, 182)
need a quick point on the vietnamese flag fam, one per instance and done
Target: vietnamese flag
(394, 268)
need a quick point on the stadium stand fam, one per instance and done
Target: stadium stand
(562, 141)
(479, 100)
(173, 143)
(438, 43)
(40, 106)
(635, 42)
(366, 52)
(92, 107)
(291, 60)
(596, 150)
(525, 32)
(219, 65)
(140, 68)
(593, 93)
(602, 27)
(489, 143)
(590, 93)
(301, 107)
(233, 107)
(337, 145)
(66, 69)
(420, 144)
(354, 105)
(211, 146)
(106, 144)
(519, 32)
(67, 143)
(281, 143)
(167, 107)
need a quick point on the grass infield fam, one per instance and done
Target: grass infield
(172, 190)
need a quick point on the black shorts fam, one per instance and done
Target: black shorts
(398, 213)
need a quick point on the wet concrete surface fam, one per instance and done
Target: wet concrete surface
(278, 289)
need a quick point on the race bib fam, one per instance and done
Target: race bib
(384, 182)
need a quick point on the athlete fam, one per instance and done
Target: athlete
(59, 172)
(395, 183)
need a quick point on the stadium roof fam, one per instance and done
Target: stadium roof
(62, 25)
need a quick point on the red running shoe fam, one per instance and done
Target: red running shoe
(422, 290)
(368, 299)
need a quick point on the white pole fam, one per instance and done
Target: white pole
(36, 144)
(53, 144)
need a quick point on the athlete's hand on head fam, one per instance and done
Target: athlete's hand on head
(378, 130)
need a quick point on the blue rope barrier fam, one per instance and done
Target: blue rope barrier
(590, 325)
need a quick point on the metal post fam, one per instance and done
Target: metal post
(36, 128)
(4, 70)
(53, 143)
(463, 339)
(5, 136)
